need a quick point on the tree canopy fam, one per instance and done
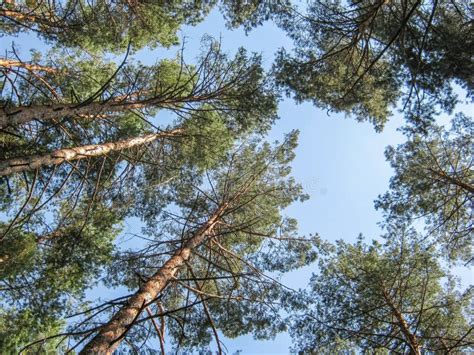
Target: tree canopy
(393, 297)
(433, 183)
(92, 141)
(368, 57)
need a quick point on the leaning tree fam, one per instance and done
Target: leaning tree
(202, 271)
(81, 140)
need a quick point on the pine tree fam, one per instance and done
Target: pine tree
(207, 265)
(220, 97)
(382, 298)
(434, 184)
(363, 58)
(71, 176)
(102, 25)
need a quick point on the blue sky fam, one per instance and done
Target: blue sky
(339, 161)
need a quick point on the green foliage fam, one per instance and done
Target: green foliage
(364, 57)
(18, 327)
(206, 140)
(434, 180)
(17, 252)
(381, 296)
(251, 13)
(228, 268)
(217, 100)
(104, 25)
(325, 83)
(50, 272)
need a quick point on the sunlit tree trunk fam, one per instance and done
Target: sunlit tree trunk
(24, 114)
(410, 337)
(111, 334)
(452, 180)
(8, 63)
(15, 165)
(17, 16)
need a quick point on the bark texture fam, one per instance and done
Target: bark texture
(410, 337)
(17, 15)
(111, 334)
(14, 116)
(15, 165)
(24, 114)
(8, 63)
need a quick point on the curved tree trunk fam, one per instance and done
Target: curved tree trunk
(15, 165)
(111, 334)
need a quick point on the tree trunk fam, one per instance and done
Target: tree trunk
(8, 63)
(18, 16)
(111, 334)
(410, 337)
(15, 165)
(452, 180)
(23, 114)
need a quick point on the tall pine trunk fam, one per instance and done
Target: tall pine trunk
(410, 337)
(15, 165)
(24, 114)
(8, 63)
(14, 116)
(111, 334)
(18, 16)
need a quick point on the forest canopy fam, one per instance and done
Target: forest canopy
(93, 140)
